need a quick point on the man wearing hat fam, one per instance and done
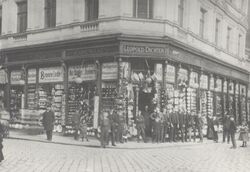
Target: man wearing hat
(48, 122)
(226, 126)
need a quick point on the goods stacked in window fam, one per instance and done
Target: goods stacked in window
(43, 99)
(57, 102)
(204, 101)
(237, 107)
(32, 97)
(182, 101)
(15, 104)
(243, 108)
(170, 96)
(191, 100)
(218, 106)
(210, 103)
(108, 96)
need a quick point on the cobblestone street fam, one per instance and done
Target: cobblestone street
(26, 156)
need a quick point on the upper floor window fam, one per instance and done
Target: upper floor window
(228, 37)
(143, 9)
(181, 12)
(217, 25)
(50, 13)
(239, 43)
(91, 9)
(21, 16)
(202, 22)
(0, 20)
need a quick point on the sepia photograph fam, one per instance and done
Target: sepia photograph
(124, 85)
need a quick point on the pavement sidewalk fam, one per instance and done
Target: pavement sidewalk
(94, 142)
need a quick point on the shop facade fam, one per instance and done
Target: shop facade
(123, 74)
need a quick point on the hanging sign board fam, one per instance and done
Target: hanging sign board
(211, 83)
(3, 77)
(31, 76)
(225, 87)
(204, 82)
(16, 77)
(85, 72)
(170, 74)
(231, 88)
(194, 79)
(158, 72)
(218, 84)
(52, 74)
(109, 71)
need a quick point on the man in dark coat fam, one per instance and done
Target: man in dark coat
(76, 124)
(232, 130)
(105, 129)
(113, 125)
(175, 123)
(1, 142)
(166, 124)
(181, 118)
(226, 126)
(140, 127)
(146, 115)
(199, 125)
(48, 122)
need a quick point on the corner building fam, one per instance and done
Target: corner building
(94, 55)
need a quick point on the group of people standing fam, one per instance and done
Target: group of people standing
(169, 126)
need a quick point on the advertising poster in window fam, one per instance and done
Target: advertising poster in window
(194, 80)
(85, 72)
(109, 71)
(31, 76)
(212, 84)
(225, 87)
(170, 74)
(158, 72)
(16, 77)
(204, 82)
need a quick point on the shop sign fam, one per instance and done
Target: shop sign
(52, 74)
(182, 74)
(16, 77)
(158, 71)
(218, 85)
(211, 83)
(231, 88)
(31, 76)
(141, 49)
(225, 87)
(204, 82)
(193, 79)
(3, 77)
(170, 74)
(109, 71)
(85, 72)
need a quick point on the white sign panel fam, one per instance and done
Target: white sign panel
(3, 77)
(109, 71)
(52, 74)
(86, 72)
(31, 76)
(170, 74)
(16, 77)
(158, 71)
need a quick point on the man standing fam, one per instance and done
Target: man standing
(140, 127)
(76, 124)
(215, 129)
(166, 124)
(181, 117)
(199, 125)
(175, 122)
(226, 126)
(113, 125)
(146, 116)
(48, 122)
(232, 130)
(105, 129)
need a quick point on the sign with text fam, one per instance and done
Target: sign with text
(51, 74)
(86, 72)
(16, 77)
(109, 71)
(170, 74)
(31, 76)
(204, 82)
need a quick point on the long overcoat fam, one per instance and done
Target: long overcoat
(48, 120)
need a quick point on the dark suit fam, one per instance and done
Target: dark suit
(140, 127)
(199, 126)
(181, 118)
(48, 123)
(166, 126)
(105, 128)
(226, 126)
(174, 128)
(232, 131)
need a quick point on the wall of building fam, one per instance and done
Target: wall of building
(116, 16)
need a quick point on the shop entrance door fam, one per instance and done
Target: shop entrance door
(145, 106)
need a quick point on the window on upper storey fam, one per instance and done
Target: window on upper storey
(228, 37)
(202, 22)
(0, 20)
(143, 9)
(21, 16)
(50, 13)
(181, 13)
(217, 25)
(91, 10)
